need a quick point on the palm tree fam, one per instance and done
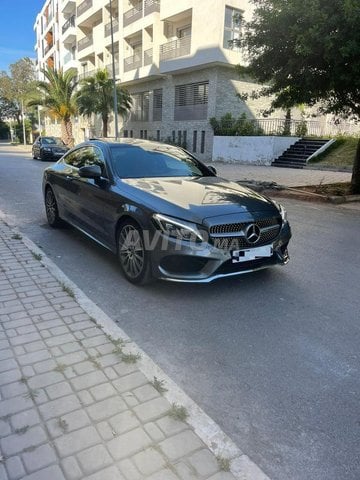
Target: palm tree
(57, 95)
(96, 96)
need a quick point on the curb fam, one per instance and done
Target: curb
(312, 197)
(207, 430)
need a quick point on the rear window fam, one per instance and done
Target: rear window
(138, 162)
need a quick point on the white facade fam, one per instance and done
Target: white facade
(173, 56)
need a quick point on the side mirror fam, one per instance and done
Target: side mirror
(212, 169)
(90, 171)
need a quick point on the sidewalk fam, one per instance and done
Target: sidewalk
(79, 400)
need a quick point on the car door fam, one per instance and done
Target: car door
(93, 194)
(36, 147)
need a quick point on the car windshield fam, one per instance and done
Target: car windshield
(52, 141)
(131, 161)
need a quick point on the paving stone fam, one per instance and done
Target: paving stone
(15, 405)
(105, 431)
(7, 364)
(110, 473)
(149, 461)
(28, 371)
(71, 347)
(124, 422)
(45, 379)
(34, 357)
(13, 389)
(10, 376)
(84, 367)
(181, 444)
(5, 354)
(106, 408)
(78, 440)
(145, 393)
(85, 398)
(165, 474)
(45, 366)
(129, 443)
(129, 382)
(72, 421)
(3, 474)
(94, 341)
(130, 399)
(59, 390)
(80, 325)
(129, 470)
(110, 373)
(4, 428)
(55, 322)
(35, 346)
(59, 407)
(59, 340)
(59, 330)
(26, 329)
(15, 468)
(94, 458)
(50, 473)
(27, 338)
(170, 426)
(41, 457)
(154, 431)
(88, 380)
(28, 417)
(204, 462)
(100, 392)
(71, 468)
(152, 409)
(16, 443)
(19, 350)
(186, 472)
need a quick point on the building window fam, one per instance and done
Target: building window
(202, 145)
(191, 101)
(232, 27)
(145, 134)
(157, 104)
(184, 139)
(141, 133)
(158, 135)
(140, 110)
(173, 136)
(179, 138)
(126, 133)
(131, 134)
(194, 141)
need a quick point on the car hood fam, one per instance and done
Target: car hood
(200, 198)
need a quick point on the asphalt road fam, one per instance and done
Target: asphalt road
(272, 357)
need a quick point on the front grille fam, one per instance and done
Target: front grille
(272, 226)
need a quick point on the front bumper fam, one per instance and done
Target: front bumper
(180, 261)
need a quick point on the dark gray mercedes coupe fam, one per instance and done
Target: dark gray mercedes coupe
(164, 213)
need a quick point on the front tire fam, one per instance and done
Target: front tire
(133, 257)
(51, 208)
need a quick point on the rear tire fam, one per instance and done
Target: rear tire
(133, 257)
(51, 208)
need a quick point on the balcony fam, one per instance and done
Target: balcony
(107, 27)
(176, 48)
(151, 6)
(85, 5)
(68, 6)
(133, 62)
(84, 43)
(68, 57)
(148, 57)
(69, 23)
(132, 15)
(87, 74)
(109, 69)
(48, 48)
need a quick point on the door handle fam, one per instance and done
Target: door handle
(69, 178)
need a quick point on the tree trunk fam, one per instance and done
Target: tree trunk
(66, 132)
(105, 125)
(355, 179)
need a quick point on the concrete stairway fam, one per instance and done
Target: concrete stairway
(297, 155)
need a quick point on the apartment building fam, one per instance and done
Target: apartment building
(174, 57)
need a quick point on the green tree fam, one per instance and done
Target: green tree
(57, 95)
(96, 97)
(308, 52)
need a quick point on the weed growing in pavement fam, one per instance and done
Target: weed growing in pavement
(22, 430)
(159, 385)
(37, 256)
(29, 449)
(23, 379)
(16, 236)
(67, 290)
(130, 357)
(60, 367)
(32, 394)
(178, 412)
(224, 463)
(62, 424)
(94, 361)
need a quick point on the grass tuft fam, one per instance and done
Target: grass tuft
(130, 357)
(22, 430)
(159, 385)
(178, 412)
(63, 425)
(16, 236)
(67, 290)
(224, 463)
(60, 367)
(37, 256)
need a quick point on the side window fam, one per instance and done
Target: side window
(86, 156)
(95, 157)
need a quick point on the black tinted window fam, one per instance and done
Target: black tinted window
(86, 156)
(137, 162)
(52, 141)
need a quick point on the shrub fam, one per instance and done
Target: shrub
(231, 126)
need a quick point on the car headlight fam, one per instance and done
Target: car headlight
(47, 149)
(179, 229)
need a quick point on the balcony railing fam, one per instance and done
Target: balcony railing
(109, 69)
(70, 22)
(151, 6)
(175, 48)
(134, 14)
(85, 5)
(84, 43)
(115, 27)
(89, 73)
(48, 48)
(148, 56)
(68, 57)
(131, 63)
